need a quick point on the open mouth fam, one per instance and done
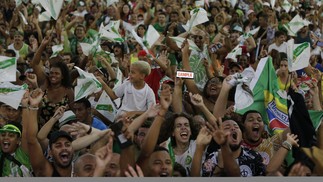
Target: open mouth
(184, 135)
(234, 135)
(164, 174)
(6, 145)
(64, 156)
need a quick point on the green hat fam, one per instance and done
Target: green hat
(10, 128)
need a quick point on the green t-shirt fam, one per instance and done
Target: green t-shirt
(12, 169)
(159, 28)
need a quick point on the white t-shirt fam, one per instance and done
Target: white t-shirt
(281, 48)
(133, 99)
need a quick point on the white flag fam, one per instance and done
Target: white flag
(88, 49)
(11, 94)
(199, 3)
(295, 25)
(233, 3)
(272, 3)
(56, 50)
(198, 16)
(234, 53)
(110, 33)
(44, 16)
(150, 37)
(86, 84)
(8, 67)
(53, 7)
(106, 107)
(111, 2)
(286, 6)
(23, 18)
(140, 41)
(180, 40)
(298, 55)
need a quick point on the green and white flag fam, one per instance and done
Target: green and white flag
(8, 67)
(316, 118)
(111, 2)
(44, 16)
(151, 36)
(86, 84)
(140, 41)
(11, 94)
(91, 48)
(295, 25)
(119, 78)
(111, 32)
(106, 107)
(298, 55)
(234, 53)
(53, 7)
(286, 5)
(56, 50)
(198, 16)
(267, 101)
(180, 40)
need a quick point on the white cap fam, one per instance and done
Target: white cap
(67, 116)
(266, 4)
(249, 12)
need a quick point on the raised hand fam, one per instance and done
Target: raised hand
(104, 155)
(153, 110)
(35, 97)
(32, 78)
(292, 139)
(298, 170)
(166, 97)
(196, 99)
(163, 57)
(25, 99)
(133, 173)
(59, 112)
(46, 40)
(204, 137)
(217, 132)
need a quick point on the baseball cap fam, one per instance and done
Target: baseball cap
(238, 28)
(67, 116)
(12, 128)
(59, 134)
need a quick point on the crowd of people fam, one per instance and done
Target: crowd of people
(159, 125)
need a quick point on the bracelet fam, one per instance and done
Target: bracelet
(90, 131)
(287, 145)
(24, 107)
(33, 108)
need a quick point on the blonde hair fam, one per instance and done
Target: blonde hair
(143, 67)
